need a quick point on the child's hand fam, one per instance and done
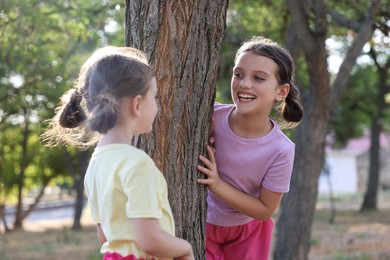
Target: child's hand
(211, 143)
(210, 169)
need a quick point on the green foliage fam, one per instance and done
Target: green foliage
(359, 104)
(43, 44)
(356, 106)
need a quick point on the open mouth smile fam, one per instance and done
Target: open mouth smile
(246, 97)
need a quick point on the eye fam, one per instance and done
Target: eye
(257, 78)
(237, 75)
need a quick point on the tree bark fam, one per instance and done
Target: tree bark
(298, 207)
(371, 195)
(182, 40)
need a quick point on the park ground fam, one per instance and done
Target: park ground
(353, 235)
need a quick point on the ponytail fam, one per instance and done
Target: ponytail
(292, 108)
(72, 114)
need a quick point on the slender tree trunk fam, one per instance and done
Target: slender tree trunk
(182, 40)
(83, 159)
(371, 195)
(37, 199)
(18, 223)
(298, 206)
(3, 218)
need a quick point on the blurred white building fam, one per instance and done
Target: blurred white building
(347, 170)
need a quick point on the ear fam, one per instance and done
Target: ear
(282, 92)
(135, 105)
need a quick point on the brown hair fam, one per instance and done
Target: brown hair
(91, 107)
(291, 109)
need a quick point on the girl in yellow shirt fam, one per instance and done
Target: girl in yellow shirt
(114, 100)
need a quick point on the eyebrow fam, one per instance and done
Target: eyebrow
(256, 71)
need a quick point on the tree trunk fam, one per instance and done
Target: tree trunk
(37, 199)
(182, 40)
(18, 223)
(3, 218)
(83, 159)
(298, 206)
(371, 195)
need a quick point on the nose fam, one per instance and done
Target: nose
(245, 83)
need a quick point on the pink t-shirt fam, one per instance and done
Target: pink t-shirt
(247, 164)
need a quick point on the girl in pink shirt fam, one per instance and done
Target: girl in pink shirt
(254, 157)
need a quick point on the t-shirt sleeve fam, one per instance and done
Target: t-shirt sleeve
(217, 107)
(278, 176)
(142, 189)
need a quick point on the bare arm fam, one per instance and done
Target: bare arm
(102, 238)
(261, 208)
(154, 241)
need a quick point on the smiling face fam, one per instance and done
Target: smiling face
(254, 86)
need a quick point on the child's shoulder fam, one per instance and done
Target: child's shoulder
(123, 152)
(282, 138)
(136, 153)
(219, 107)
(135, 158)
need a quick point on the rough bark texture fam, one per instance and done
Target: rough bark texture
(182, 40)
(297, 211)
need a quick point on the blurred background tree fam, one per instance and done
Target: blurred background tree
(42, 45)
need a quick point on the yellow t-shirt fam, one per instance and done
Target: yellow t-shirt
(122, 182)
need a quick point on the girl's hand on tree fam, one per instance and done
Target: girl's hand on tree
(210, 169)
(211, 143)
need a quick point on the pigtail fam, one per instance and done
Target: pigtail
(72, 114)
(103, 117)
(292, 108)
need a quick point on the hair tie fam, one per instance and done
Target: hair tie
(76, 97)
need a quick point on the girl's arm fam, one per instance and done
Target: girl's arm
(261, 208)
(102, 238)
(156, 242)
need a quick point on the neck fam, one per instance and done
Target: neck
(116, 136)
(249, 126)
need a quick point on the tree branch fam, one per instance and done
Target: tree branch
(299, 12)
(364, 34)
(321, 21)
(343, 21)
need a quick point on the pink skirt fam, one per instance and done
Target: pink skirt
(116, 256)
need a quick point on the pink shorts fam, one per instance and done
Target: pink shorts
(251, 241)
(116, 256)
